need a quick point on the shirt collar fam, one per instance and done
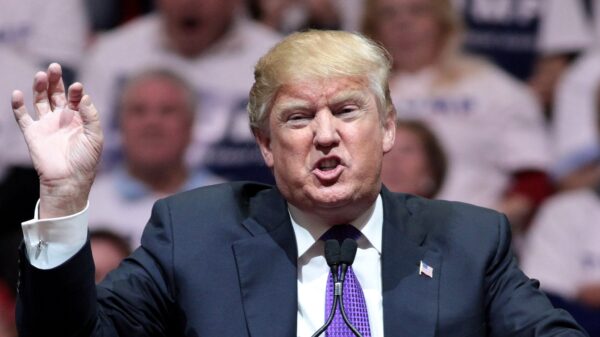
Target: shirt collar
(308, 233)
(129, 187)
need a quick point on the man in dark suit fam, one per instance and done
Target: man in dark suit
(244, 259)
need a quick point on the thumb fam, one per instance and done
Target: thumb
(20, 111)
(89, 117)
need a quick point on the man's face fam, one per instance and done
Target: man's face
(409, 30)
(193, 25)
(325, 142)
(155, 123)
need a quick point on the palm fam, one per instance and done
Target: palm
(59, 146)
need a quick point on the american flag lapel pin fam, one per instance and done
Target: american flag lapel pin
(425, 269)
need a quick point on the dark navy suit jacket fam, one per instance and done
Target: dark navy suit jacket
(221, 261)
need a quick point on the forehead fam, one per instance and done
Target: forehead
(153, 87)
(197, 6)
(404, 2)
(321, 91)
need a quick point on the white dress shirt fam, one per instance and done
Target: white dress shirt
(51, 242)
(313, 270)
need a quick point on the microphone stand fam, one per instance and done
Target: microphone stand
(334, 256)
(348, 253)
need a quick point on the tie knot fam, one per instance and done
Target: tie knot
(341, 232)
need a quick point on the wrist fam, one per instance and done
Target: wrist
(63, 199)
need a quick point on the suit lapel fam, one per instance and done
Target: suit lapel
(410, 300)
(267, 269)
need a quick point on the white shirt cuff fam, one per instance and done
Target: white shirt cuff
(51, 242)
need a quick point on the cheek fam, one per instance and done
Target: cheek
(430, 31)
(173, 125)
(291, 146)
(368, 158)
(385, 32)
(415, 167)
(287, 158)
(182, 128)
(129, 125)
(132, 133)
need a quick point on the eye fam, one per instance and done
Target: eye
(298, 119)
(347, 110)
(167, 111)
(137, 111)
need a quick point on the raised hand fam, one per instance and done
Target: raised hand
(65, 142)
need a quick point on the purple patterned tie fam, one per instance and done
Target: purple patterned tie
(353, 297)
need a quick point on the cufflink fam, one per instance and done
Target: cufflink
(39, 247)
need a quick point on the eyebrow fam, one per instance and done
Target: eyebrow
(293, 104)
(358, 96)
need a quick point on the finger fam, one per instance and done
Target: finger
(21, 115)
(75, 95)
(89, 114)
(40, 94)
(56, 87)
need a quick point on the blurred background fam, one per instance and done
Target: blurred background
(498, 104)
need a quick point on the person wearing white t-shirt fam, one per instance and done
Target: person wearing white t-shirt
(575, 124)
(214, 48)
(561, 250)
(45, 31)
(534, 40)
(156, 115)
(489, 125)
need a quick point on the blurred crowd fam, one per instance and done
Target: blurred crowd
(498, 105)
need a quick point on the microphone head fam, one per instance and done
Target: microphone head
(332, 252)
(348, 251)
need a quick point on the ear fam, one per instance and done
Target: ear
(389, 131)
(264, 143)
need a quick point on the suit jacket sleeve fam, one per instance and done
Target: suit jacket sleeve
(134, 300)
(515, 305)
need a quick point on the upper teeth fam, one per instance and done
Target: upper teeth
(328, 164)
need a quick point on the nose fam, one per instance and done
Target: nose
(325, 134)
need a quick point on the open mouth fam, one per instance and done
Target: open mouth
(328, 170)
(189, 23)
(328, 164)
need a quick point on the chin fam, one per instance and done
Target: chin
(332, 196)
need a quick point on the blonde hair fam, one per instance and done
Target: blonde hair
(316, 55)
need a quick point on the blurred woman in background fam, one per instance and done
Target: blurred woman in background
(489, 124)
(416, 164)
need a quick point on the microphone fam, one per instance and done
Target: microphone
(332, 253)
(347, 255)
(332, 256)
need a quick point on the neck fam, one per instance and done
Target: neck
(161, 180)
(412, 66)
(190, 48)
(414, 62)
(317, 224)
